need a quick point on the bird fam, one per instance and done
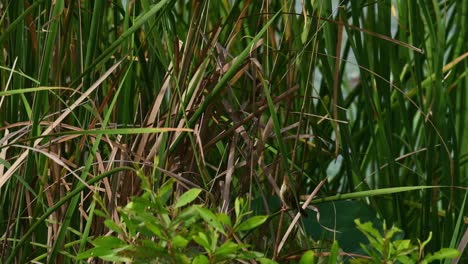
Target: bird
(287, 197)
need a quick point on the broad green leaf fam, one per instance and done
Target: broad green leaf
(187, 217)
(109, 242)
(211, 219)
(94, 252)
(113, 226)
(251, 223)
(100, 213)
(266, 261)
(308, 258)
(226, 250)
(225, 220)
(403, 245)
(203, 241)
(155, 228)
(405, 260)
(441, 254)
(179, 242)
(250, 254)
(116, 258)
(200, 259)
(369, 231)
(187, 197)
(101, 252)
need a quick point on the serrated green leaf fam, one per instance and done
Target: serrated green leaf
(251, 223)
(187, 197)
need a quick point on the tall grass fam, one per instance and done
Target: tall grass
(230, 96)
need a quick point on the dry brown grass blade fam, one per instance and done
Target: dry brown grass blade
(8, 82)
(152, 116)
(5, 177)
(229, 171)
(4, 148)
(196, 84)
(298, 215)
(55, 158)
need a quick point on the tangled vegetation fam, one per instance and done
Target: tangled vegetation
(167, 131)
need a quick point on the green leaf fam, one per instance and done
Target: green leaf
(113, 226)
(100, 213)
(251, 223)
(101, 252)
(369, 193)
(333, 253)
(179, 242)
(266, 261)
(237, 205)
(155, 228)
(94, 252)
(405, 260)
(187, 197)
(250, 254)
(423, 244)
(441, 254)
(116, 258)
(165, 192)
(200, 259)
(225, 220)
(109, 242)
(369, 231)
(227, 250)
(203, 241)
(308, 258)
(188, 216)
(211, 219)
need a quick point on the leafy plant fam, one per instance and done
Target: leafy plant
(367, 97)
(152, 229)
(387, 248)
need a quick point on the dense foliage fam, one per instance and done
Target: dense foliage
(359, 107)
